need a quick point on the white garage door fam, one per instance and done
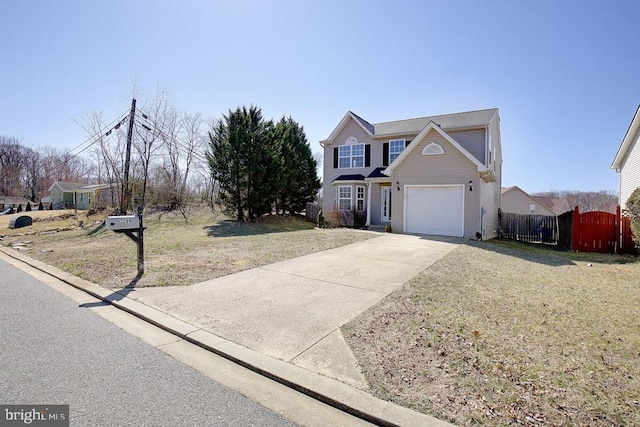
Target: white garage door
(435, 210)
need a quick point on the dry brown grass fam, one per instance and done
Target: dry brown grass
(176, 252)
(35, 215)
(504, 334)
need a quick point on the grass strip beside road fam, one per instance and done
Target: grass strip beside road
(503, 333)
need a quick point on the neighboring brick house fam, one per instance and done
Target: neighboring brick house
(627, 161)
(437, 175)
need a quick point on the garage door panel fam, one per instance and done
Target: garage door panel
(435, 210)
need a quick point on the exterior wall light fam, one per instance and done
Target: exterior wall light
(397, 186)
(470, 185)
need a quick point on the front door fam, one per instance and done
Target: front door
(386, 203)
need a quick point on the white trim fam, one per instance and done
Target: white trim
(351, 156)
(389, 190)
(627, 141)
(341, 125)
(349, 182)
(432, 149)
(404, 145)
(417, 186)
(338, 198)
(356, 198)
(368, 204)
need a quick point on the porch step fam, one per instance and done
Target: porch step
(377, 227)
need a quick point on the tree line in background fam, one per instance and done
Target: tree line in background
(29, 171)
(247, 165)
(586, 201)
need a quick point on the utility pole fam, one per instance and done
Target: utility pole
(126, 192)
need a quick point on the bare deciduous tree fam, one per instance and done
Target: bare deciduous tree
(12, 161)
(586, 201)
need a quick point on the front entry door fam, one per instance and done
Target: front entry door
(386, 203)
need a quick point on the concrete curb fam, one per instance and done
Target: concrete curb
(332, 392)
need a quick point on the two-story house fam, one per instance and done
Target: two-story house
(438, 175)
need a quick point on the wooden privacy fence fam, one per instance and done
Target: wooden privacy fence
(601, 232)
(529, 228)
(311, 211)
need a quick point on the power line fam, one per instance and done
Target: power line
(149, 126)
(100, 132)
(105, 131)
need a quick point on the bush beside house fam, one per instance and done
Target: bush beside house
(633, 207)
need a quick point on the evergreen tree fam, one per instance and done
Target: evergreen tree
(633, 206)
(241, 159)
(259, 164)
(298, 179)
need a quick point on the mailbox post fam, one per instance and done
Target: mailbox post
(129, 225)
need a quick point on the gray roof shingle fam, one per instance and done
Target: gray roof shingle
(468, 119)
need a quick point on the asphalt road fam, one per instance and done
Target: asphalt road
(54, 352)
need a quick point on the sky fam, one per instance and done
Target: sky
(565, 75)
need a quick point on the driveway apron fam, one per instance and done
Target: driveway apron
(292, 310)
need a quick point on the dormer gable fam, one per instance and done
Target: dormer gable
(366, 126)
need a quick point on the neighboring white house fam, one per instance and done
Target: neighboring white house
(627, 161)
(436, 175)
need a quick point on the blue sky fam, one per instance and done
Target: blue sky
(564, 74)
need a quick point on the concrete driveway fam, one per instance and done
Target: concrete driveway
(292, 310)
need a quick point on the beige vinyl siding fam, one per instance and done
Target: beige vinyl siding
(452, 167)
(492, 195)
(489, 223)
(516, 201)
(350, 129)
(473, 141)
(494, 136)
(376, 193)
(630, 174)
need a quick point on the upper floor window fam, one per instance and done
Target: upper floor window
(351, 156)
(395, 148)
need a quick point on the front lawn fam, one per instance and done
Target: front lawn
(503, 333)
(176, 252)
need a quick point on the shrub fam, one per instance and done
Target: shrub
(320, 219)
(333, 218)
(388, 228)
(633, 206)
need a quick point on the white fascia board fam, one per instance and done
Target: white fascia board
(627, 141)
(341, 125)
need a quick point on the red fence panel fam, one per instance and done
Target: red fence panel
(595, 232)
